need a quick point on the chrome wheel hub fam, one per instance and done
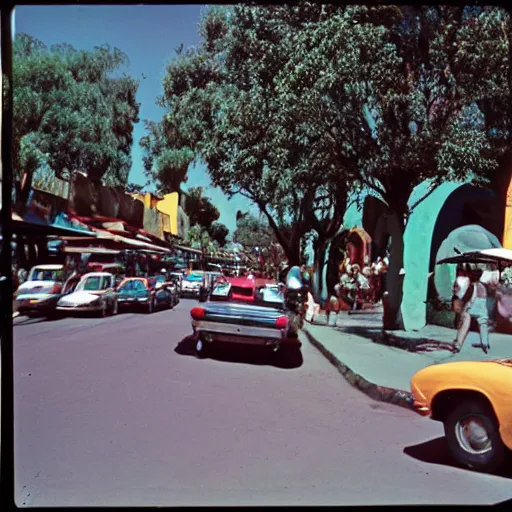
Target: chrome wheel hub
(472, 435)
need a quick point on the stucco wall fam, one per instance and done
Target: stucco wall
(417, 245)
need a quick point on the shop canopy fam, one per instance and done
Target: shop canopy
(495, 255)
(35, 226)
(188, 249)
(90, 250)
(130, 242)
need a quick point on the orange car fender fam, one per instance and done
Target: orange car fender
(492, 379)
(500, 402)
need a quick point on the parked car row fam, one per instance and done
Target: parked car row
(47, 293)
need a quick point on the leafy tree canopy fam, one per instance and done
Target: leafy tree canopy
(252, 232)
(200, 209)
(71, 112)
(225, 108)
(219, 233)
(294, 105)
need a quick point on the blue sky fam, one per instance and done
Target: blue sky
(148, 35)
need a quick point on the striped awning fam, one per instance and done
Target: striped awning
(102, 234)
(90, 250)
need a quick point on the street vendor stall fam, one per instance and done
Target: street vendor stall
(501, 259)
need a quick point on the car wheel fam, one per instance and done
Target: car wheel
(115, 308)
(473, 436)
(288, 356)
(201, 347)
(54, 315)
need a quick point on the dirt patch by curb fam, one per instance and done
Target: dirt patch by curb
(380, 393)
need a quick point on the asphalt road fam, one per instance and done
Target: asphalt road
(119, 411)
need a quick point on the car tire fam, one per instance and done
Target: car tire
(201, 347)
(485, 451)
(54, 315)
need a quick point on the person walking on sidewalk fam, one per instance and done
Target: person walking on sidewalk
(474, 300)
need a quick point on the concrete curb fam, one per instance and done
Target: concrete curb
(380, 393)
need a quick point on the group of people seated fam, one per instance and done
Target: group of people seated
(358, 286)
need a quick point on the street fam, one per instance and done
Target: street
(119, 412)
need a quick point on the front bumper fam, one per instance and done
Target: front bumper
(244, 334)
(421, 408)
(187, 292)
(132, 302)
(79, 309)
(35, 305)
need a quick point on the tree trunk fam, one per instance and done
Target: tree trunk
(320, 250)
(291, 247)
(394, 281)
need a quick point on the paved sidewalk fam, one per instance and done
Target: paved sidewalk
(382, 363)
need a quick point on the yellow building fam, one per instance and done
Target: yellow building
(169, 206)
(507, 230)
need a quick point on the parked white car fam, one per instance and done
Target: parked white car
(94, 293)
(39, 294)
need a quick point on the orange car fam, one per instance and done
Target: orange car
(474, 401)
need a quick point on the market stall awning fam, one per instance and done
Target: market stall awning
(102, 234)
(32, 226)
(90, 250)
(495, 255)
(188, 249)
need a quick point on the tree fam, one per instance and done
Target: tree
(224, 106)
(219, 233)
(70, 113)
(252, 232)
(199, 238)
(200, 209)
(403, 88)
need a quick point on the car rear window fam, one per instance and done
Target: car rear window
(41, 274)
(244, 292)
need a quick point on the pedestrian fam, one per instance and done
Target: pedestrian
(312, 308)
(474, 305)
(491, 280)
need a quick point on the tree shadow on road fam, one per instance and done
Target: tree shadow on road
(25, 320)
(436, 451)
(243, 354)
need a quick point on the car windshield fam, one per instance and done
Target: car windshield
(272, 297)
(90, 283)
(129, 285)
(42, 274)
(194, 277)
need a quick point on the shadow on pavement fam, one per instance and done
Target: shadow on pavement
(244, 354)
(25, 320)
(436, 451)
(376, 335)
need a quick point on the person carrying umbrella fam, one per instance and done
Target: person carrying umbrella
(473, 295)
